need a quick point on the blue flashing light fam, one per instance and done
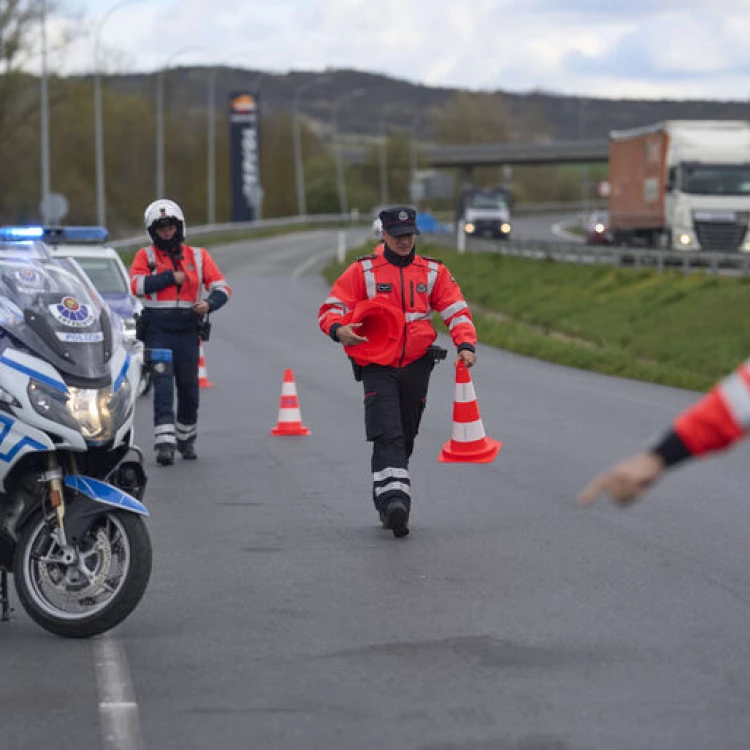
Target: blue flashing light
(63, 235)
(21, 233)
(55, 235)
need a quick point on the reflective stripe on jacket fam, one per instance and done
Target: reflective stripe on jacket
(418, 289)
(720, 418)
(200, 272)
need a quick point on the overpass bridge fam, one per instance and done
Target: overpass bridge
(500, 154)
(465, 158)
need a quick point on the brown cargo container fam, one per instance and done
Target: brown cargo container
(637, 176)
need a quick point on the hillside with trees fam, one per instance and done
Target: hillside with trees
(389, 108)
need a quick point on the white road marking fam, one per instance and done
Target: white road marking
(118, 710)
(558, 231)
(301, 269)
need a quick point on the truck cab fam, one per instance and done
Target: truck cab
(708, 205)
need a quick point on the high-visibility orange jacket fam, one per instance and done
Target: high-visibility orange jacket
(716, 421)
(152, 279)
(416, 285)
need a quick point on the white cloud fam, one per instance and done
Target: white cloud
(674, 48)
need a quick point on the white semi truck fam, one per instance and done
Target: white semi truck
(681, 184)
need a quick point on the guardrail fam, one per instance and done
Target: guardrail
(240, 226)
(364, 219)
(689, 261)
(737, 263)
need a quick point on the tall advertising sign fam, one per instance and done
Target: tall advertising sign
(244, 153)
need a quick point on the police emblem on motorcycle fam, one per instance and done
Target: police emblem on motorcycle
(70, 312)
(28, 276)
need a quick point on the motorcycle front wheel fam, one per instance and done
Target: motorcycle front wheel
(92, 593)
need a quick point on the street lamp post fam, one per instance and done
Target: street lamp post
(101, 206)
(44, 118)
(299, 167)
(383, 162)
(340, 181)
(413, 157)
(584, 167)
(160, 118)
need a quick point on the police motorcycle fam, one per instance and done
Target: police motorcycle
(72, 530)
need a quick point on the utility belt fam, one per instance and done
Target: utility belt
(434, 353)
(142, 324)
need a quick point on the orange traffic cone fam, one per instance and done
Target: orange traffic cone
(203, 381)
(290, 417)
(468, 443)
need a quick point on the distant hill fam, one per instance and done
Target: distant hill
(565, 117)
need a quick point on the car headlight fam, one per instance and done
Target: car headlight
(505, 228)
(96, 413)
(469, 228)
(128, 328)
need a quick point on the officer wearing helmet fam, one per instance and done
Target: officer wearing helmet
(396, 290)
(170, 278)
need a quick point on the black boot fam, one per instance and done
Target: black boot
(186, 449)
(397, 518)
(164, 454)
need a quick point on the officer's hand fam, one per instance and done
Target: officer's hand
(201, 307)
(467, 357)
(179, 277)
(626, 481)
(347, 336)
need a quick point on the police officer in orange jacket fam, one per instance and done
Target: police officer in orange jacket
(716, 422)
(396, 391)
(170, 277)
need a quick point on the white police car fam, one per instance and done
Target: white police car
(102, 265)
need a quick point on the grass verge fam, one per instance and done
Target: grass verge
(683, 331)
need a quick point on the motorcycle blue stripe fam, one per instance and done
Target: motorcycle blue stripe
(105, 493)
(7, 424)
(121, 376)
(51, 382)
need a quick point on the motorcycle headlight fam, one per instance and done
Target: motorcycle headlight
(51, 403)
(99, 413)
(96, 413)
(128, 328)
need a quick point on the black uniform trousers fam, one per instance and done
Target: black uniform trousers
(185, 347)
(395, 398)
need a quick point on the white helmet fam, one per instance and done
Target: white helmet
(164, 209)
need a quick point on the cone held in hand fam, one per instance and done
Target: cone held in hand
(468, 443)
(203, 381)
(290, 416)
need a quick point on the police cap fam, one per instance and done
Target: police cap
(399, 220)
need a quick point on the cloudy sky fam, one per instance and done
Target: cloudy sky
(679, 49)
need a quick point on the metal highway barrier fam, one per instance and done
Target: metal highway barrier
(736, 263)
(286, 221)
(353, 219)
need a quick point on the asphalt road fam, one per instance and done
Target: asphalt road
(280, 615)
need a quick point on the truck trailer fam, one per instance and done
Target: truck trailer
(682, 185)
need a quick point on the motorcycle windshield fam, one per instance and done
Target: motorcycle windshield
(51, 310)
